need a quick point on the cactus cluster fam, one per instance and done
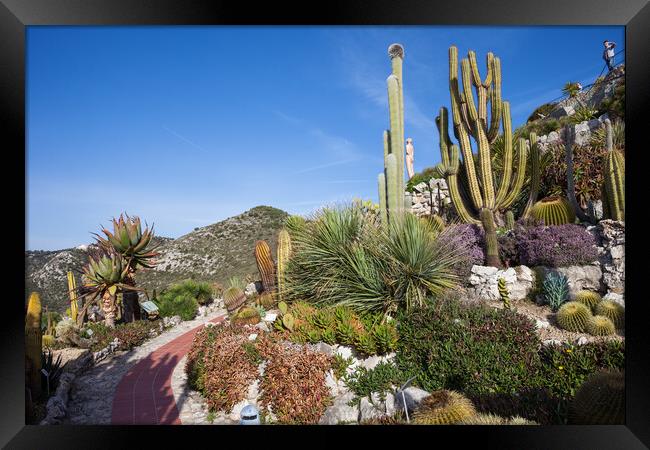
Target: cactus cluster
(492, 419)
(34, 343)
(600, 400)
(443, 408)
(589, 298)
(554, 210)
(475, 196)
(613, 311)
(573, 316)
(614, 180)
(283, 253)
(391, 182)
(233, 299)
(265, 265)
(266, 300)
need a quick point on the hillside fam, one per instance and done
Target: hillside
(212, 253)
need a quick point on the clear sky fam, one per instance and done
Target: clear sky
(186, 126)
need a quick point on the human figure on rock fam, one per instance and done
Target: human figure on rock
(409, 157)
(608, 54)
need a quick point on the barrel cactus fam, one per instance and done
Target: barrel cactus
(588, 298)
(613, 311)
(246, 316)
(517, 420)
(267, 300)
(554, 210)
(233, 299)
(265, 265)
(600, 400)
(483, 419)
(600, 326)
(573, 316)
(443, 408)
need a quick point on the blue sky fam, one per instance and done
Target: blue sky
(186, 126)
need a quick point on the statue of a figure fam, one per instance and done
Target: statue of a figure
(409, 157)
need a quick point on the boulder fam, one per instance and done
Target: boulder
(613, 296)
(483, 282)
(412, 395)
(376, 408)
(587, 277)
(340, 411)
(582, 133)
(562, 112)
(253, 288)
(372, 361)
(344, 351)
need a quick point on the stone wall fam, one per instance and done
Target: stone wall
(430, 198)
(610, 238)
(582, 131)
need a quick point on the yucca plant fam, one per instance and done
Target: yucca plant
(103, 275)
(571, 89)
(130, 241)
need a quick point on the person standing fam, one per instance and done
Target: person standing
(608, 54)
(410, 154)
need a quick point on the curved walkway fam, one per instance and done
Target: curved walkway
(144, 395)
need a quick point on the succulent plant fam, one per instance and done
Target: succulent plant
(613, 311)
(517, 420)
(72, 292)
(329, 336)
(385, 337)
(589, 298)
(614, 179)
(282, 306)
(573, 316)
(34, 343)
(343, 313)
(600, 400)
(130, 241)
(345, 333)
(555, 289)
(265, 265)
(483, 419)
(246, 316)
(510, 220)
(233, 299)
(323, 319)
(600, 326)
(365, 344)
(288, 321)
(313, 335)
(283, 254)
(48, 340)
(443, 408)
(267, 299)
(503, 292)
(554, 210)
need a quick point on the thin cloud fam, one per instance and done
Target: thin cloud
(186, 140)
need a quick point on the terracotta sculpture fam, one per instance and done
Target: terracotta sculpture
(409, 157)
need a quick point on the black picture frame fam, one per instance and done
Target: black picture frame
(15, 15)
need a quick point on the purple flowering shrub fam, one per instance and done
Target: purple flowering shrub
(556, 246)
(469, 238)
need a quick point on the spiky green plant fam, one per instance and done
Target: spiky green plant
(600, 400)
(246, 316)
(267, 300)
(614, 179)
(582, 114)
(443, 408)
(283, 255)
(365, 343)
(323, 319)
(34, 343)
(599, 137)
(48, 341)
(475, 196)
(265, 265)
(288, 321)
(600, 326)
(385, 336)
(554, 210)
(233, 299)
(589, 298)
(345, 333)
(329, 335)
(236, 282)
(282, 306)
(130, 241)
(571, 89)
(555, 289)
(611, 310)
(517, 420)
(314, 335)
(573, 316)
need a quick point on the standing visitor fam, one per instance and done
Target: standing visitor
(608, 54)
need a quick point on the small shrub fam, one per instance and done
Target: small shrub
(424, 176)
(556, 246)
(583, 114)
(184, 305)
(363, 382)
(544, 110)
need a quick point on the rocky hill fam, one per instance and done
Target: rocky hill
(212, 253)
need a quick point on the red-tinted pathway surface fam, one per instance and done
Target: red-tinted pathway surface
(144, 395)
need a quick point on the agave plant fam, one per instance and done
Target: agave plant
(102, 276)
(130, 241)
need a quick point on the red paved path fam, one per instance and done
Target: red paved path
(144, 395)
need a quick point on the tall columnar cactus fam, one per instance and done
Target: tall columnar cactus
(284, 252)
(510, 220)
(614, 179)
(265, 265)
(72, 290)
(33, 343)
(476, 197)
(554, 210)
(391, 183)
(535, 173)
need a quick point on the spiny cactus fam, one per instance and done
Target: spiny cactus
(246, 316)
(600, 400)
(267, 300)
(443, 408)
(554, 210)
(284, 252)
(569, 140)
(233, 299)
(517, 420)
(475, 196)
(47, 340)
(483, 419)
(589, 298)
(72, 291)
(288, 321)
(391, 184)
(573, 316)
(34, 343)
(503, 292)
(613, 311)
(614, 179)
(510, 220)
(265, 265)
(282, 306)
(535, 173)
(600, 326)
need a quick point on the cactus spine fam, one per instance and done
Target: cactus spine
(265, 265)
(573, 316)
(443, 408)
(72, 289)
(33, 343)
(614, 174)
(554, 210)
(503, 292)
(469, 120)
(284, 253)
(391, 183)
(600, 400)
(510, 220)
